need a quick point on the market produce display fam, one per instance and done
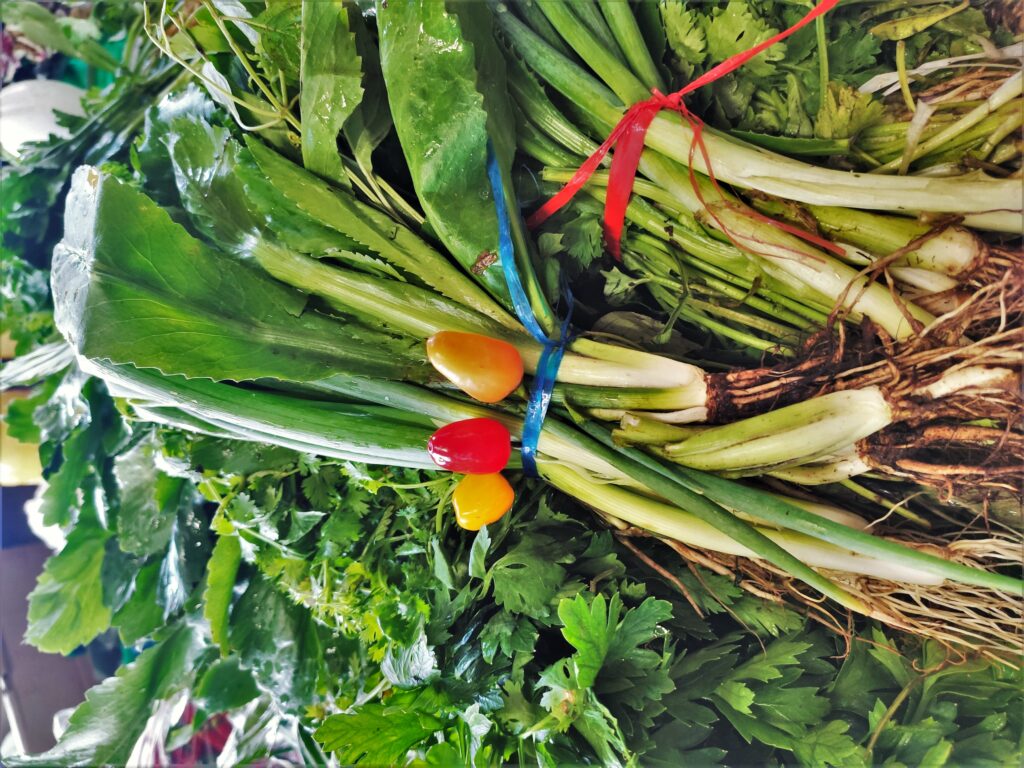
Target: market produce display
(384, 446)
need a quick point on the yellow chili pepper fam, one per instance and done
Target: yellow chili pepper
(480, 500)
(484, 368)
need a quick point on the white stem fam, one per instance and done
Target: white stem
(955, 252)
(755, 168)
(975, 377)
(925, 279)
(671, 522)
(810, 431)
(685, 416)
(823, 474)
(835, 514)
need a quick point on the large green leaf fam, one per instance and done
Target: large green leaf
(104, 729)
(279, 642)
(332, 75)
(132, 286)
(228, 198)
(66, 608)
(430, 70)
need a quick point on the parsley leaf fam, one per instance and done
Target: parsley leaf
(528, 577)
(66, 608)
(376, 735)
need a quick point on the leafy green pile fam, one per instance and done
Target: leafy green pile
(342, 603)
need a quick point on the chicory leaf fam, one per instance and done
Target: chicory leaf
(431, 73)
(121, 277)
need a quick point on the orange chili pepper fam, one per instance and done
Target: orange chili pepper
(486, 369)
(480, 500)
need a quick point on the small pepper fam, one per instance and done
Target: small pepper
(484, 368)
(472, 446)
(480, 500)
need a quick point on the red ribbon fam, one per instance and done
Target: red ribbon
(628, 140)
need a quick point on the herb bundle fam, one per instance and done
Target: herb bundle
(265, 298)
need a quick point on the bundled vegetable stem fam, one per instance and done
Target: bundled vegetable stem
(101, 235)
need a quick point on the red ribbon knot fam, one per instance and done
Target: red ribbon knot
(628, 140)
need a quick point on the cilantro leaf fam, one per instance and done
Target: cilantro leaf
(845, 112)
(829, 745)
(768, 666)
(853, 54)
(684, 34)
(508, 635)
(528, 577)
(583, 238)
(735, 29)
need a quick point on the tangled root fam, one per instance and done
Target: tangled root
(965, 620)
(1008, 13)
(952, 439)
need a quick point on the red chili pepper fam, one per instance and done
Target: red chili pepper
(480, 500)
(472, 447)
(484, 368)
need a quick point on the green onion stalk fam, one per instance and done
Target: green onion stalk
(359, 263)
(934, 267)
(599, 93)
(610, 82)
(594, 375)
(754, 315)
(193, 334)
(679, 224)
(362, 260)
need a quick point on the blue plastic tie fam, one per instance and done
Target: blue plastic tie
(554, 349)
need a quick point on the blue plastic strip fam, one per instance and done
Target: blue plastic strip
(506, 252)
(554, 349)
(540, 394)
